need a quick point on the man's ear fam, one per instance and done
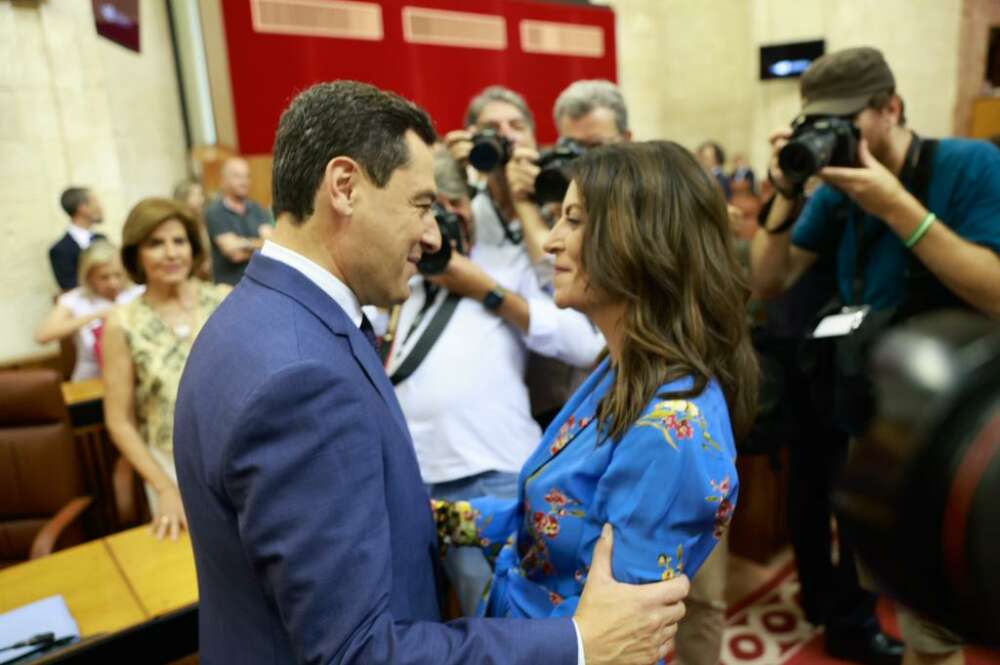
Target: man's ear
(340, 184)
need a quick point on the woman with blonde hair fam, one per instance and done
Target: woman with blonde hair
(146, 343)
(646, 444)
(80, 312)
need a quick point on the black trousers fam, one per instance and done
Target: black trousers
(830, 592)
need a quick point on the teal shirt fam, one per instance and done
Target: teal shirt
(964, 193)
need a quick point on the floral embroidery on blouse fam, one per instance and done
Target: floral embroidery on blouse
(542, 525)
(724, 513)
(675, 419)
(671, 569)
(456, 524)
(569, 429)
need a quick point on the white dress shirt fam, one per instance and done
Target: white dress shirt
(82, 236)
(318, 275)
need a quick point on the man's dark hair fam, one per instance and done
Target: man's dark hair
(73, 198)
(340, 119)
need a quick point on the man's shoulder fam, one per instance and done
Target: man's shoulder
(216, 210)
(965, 157)
(256, 209)
(64, 245)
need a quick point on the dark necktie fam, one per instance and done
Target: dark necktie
(368, 331)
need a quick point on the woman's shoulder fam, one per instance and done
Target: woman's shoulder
(701, 418)
(75, 300)
(209, 294)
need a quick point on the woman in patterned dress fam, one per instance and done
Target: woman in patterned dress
(647, 442)
(146, 343)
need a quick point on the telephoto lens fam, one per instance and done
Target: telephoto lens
(552, 180)
(489, 150)
(450, 226)
(920, 496)
(818, 141)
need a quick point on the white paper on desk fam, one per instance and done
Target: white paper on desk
(48, 615)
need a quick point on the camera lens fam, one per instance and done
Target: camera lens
(489, 150)
(551, 185)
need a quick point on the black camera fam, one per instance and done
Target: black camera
(920, 496)
(452, 239)
(818, 141)
(489, 150)
(553, 180)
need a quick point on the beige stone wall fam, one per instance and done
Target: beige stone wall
(688, 68)
(75, 109)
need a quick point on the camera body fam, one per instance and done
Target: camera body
(490, 150)
(452, 240)
(553, 180)
(818, 141)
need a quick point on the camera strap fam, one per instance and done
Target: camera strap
(513, 235)
(916, 171)
(426, 342)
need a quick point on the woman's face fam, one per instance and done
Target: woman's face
(107, 279)
(565, 244)
(165, 255)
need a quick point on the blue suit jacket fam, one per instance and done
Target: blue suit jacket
(312, 532)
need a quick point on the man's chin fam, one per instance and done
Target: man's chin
(397, 297)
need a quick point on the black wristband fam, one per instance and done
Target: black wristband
(789, 222)
(794, 193)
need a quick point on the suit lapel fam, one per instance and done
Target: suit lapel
(281, 277)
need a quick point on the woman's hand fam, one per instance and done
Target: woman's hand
(169, 518)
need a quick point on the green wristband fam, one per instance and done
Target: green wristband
(920, 231)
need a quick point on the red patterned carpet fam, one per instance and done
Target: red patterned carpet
(767, 627)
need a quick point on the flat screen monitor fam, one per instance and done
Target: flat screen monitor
(781, 61)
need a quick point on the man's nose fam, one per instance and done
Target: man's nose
(431, 239)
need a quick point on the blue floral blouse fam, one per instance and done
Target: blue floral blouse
(668, 488)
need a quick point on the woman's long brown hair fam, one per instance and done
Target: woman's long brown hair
(657, 239)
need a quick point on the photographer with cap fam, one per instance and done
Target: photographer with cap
(912, 224)
(456, 353)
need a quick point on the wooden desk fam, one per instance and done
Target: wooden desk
(87, 576)
(160, 572)
(76, 392)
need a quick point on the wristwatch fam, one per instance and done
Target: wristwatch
(494, 298)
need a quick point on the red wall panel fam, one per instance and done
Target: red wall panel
(267, 69)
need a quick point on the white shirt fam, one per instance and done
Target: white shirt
(344, 297)
(318, 275)
(466, 403)
(82, 236)
(80, 302)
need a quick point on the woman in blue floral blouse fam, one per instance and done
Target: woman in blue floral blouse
(646, 444)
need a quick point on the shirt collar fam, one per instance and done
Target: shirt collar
(80, 235)
(318, 275)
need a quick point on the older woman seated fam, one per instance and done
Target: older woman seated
(147, 342)
(80, 312)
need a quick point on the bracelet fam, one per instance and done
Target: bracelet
(920, 231)
(794, 193)
(784, 226)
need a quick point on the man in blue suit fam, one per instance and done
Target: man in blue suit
(313, 536)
